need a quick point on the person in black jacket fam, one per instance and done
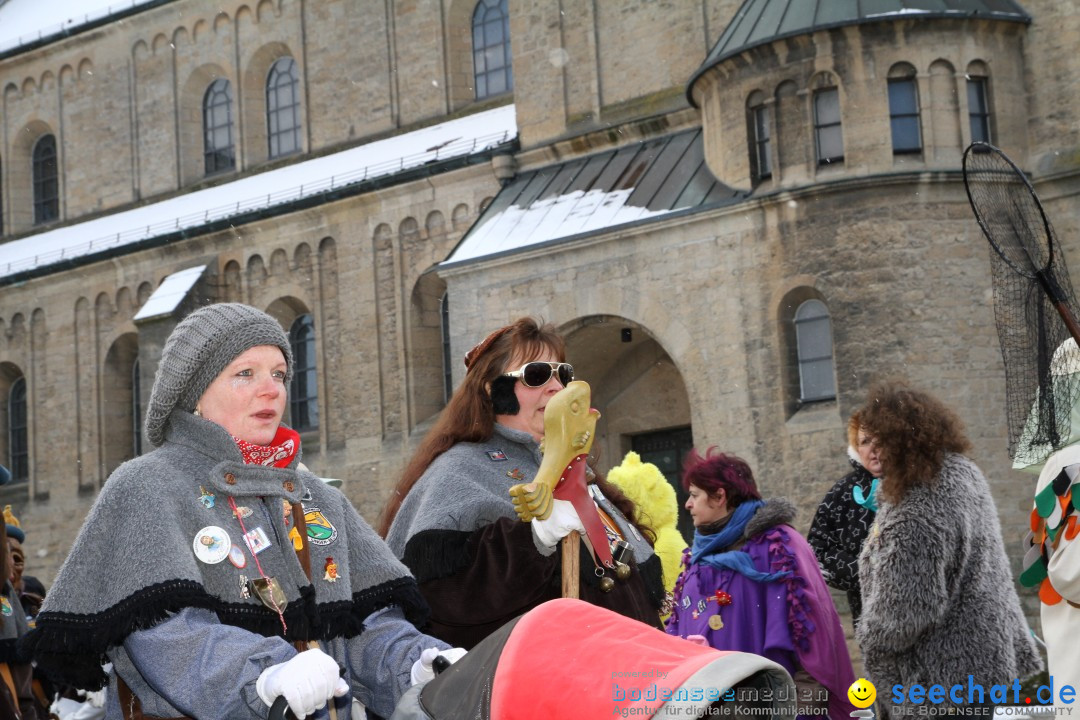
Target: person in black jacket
(844, 517)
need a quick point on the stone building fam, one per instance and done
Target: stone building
(739, 213)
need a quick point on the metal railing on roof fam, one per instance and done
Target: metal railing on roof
(69, 24)
(456, 148)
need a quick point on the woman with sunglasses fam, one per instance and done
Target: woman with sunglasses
(451, 519)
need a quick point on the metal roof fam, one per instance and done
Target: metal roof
(633, 184)
(758, 22)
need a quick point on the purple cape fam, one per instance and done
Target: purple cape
(791, 621)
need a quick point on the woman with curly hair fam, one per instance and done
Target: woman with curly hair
(939, 604)
(751, 583)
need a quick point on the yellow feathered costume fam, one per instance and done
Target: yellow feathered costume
(657, 507)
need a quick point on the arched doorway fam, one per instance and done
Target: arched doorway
(639, 392)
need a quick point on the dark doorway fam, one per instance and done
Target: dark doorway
(666, 449)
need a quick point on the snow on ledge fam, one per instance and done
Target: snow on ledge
(382, 158)
(26, 21)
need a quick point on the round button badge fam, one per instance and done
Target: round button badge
(212, 544)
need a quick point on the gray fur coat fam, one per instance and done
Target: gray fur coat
(939, 602)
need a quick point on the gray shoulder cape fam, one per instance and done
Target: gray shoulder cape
(467, 488)
(163, 536)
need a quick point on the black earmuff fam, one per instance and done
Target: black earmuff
(503, 399)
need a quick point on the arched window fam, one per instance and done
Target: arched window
(760, 120)
(304, 391)
(444, 322)
(980, 115)
(904, 110)
(827, 130)
(491, 48)
(978, 108)
(18, 448)
(813, 338)
(283, 108)
(136, 410)
(46, 180)
(218, 150)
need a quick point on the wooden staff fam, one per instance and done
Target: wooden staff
(571, 565)
(569, 427)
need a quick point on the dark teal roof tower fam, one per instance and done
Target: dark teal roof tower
(758, 22)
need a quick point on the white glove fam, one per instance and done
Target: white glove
(562, 520)
(422, 669)
(96, 698)
(307, 681)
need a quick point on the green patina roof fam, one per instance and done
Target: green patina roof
(759, 22)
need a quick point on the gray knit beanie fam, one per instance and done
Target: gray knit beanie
(198, 349)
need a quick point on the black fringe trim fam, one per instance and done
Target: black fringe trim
(434, 554)
(402, 592)
(70, 648)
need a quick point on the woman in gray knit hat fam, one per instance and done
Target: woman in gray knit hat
(215, 572)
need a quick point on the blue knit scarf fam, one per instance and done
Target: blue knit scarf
(709, 549)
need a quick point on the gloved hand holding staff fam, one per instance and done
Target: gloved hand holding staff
(559, 485)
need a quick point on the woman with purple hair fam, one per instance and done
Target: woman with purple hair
(750, 582)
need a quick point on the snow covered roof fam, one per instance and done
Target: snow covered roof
(452, 139)
(595, 193)
(23, 22)
(170, 293)
(758, 22)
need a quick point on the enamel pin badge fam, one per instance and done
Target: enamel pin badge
(257, 540)
(212, 544)
(237, 556)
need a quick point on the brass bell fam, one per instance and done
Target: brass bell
(606, 584)
(622, 571)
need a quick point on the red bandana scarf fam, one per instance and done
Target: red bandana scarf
(278, 453)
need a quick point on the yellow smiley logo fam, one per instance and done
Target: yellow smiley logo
(862, 693)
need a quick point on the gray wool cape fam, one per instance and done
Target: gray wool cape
(134, 562)
(939, 603)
